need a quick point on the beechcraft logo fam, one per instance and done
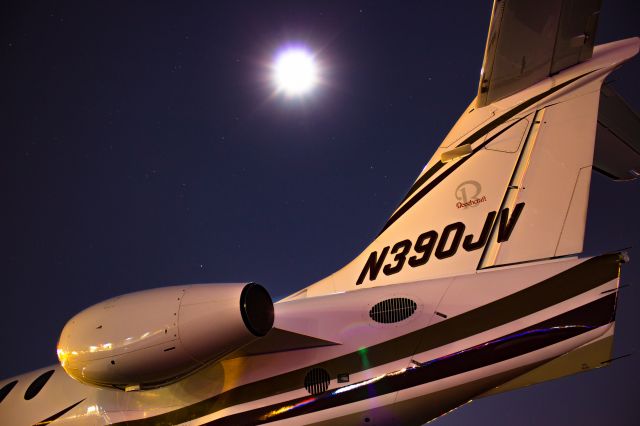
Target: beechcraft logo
(468, 194)
(443, 245)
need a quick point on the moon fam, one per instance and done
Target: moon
(295, 72)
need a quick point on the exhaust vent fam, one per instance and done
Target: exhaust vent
(317, 381)
(393, 310)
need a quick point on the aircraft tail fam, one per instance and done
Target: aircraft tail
(509, 184)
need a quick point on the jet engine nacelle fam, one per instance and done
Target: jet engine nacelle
(152, 338)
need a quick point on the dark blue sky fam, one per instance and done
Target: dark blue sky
(141, 147)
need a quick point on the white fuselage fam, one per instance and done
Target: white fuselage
(440, 329)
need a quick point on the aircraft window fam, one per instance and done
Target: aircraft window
(6, 389)
(317, 381)
(36, 386)
(393, 310)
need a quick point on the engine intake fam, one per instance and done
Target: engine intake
(155, 337)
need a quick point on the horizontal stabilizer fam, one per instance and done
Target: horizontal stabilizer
(278, 340)
(617, 151)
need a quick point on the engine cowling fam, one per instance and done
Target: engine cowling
(154, 337)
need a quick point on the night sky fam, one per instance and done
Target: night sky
(142, 146)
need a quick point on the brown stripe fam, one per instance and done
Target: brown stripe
(435, 182)
(418, 411)
(546, 333)
(58, 414)
(422, 179)
(572, 282)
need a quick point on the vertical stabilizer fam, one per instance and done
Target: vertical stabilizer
(509, 184)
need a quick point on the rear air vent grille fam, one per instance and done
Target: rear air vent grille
(393, 310)
(317, 381)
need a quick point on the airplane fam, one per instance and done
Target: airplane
(472, 288)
